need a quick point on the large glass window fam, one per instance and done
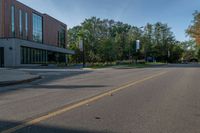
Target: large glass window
(61, 38)
(13, 20)
(20, 23)
(40, 56)
(33, 56)
(26, 24)
(37, 28)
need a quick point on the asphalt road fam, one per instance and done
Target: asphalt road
(150, 100)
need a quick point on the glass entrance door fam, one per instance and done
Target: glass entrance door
(1, 57)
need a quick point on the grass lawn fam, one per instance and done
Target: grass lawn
(99, 66)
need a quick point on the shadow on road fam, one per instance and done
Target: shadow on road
(67, 86)
(51, 75)
(48, 77)
(4, 125)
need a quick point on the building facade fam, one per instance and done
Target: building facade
(28, 37)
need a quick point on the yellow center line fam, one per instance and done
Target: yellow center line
(76, 105)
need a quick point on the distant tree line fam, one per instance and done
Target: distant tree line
(109, 41)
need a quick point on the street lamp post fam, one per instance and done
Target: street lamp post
(145, 48)
(168, 56)
(168, 51)
(137, 49)
(82, 49)
(167, 44)
(83, 54)
(83, 34)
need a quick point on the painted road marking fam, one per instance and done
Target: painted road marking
(78, 104)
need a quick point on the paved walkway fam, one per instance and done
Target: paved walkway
(12, 76)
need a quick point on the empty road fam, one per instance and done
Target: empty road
(149, 100)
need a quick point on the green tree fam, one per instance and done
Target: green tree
(107, 41)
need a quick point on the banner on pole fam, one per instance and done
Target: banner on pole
(137, 44)
(81, 45)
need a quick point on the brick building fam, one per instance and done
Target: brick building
(28, 37)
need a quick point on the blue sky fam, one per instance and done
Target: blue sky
(177, 13)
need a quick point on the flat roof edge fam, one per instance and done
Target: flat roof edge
(36, 45)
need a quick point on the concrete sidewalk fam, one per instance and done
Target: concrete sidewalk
(12, 76)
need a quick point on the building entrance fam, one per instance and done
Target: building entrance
(1, 57)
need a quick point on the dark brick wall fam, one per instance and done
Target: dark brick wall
(51, 28)
(1, 18)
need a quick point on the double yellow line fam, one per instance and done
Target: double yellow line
(76, 105)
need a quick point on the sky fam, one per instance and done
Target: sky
(176, 13)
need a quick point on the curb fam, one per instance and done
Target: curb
(8, 83)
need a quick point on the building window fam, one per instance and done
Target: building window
(58, 38)
(26, 24)
(13, 20)
(20, 23)
(37, 28)
(61, 38)
(33, 56)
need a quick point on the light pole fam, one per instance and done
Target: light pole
(166, 42)
(168, 51)
(137, 50)
(82, 49)
(145, 48)
(83, 34)
(83, 54)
